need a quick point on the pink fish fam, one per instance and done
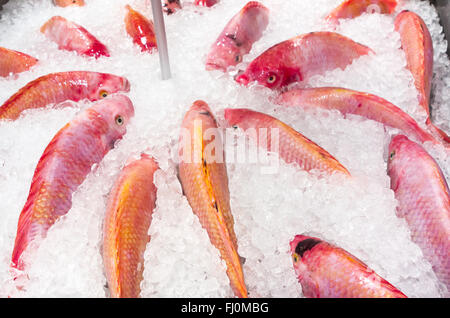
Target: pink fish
(301, 57)
(327, 271)
(73, 37)
(348, 101)
(350, 9)
(203, 176)
(65, 3)
(127, 220)
(293, 146)
(140, 29)
(205, 3)
(13, 62)
(236, 40)
(171, 6)
(64, 165)
(418, 47)
(423, 200)
(56, 88)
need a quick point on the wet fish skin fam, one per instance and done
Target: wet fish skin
(66, 3)
(418, 47)
(13, 62)
(127, 220)
(238, 36)
(64, 165)
(73, 37)
(293, 146)
(350, 9)
(140, 29)
(299, 58)
(423, 200)
(205, 3)
(327, 271)
(205, 184)
(363, 104)
(56, 88)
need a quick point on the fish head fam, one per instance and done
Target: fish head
(223, 54)
(105, 85)
(115, 112)
(65, 3)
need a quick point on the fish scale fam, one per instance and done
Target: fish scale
(423, 200)
(65, 163)
(205, 184)
(55, 88)
(328, 271)
(127, 220)
(292, 146)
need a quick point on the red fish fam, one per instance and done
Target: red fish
(327, 271)
(293, 146)
(127, 220)
(423, 200)
(65, 3)
(350, 9)
(13, 62)
(171, 6)
(348, 101)
(203, 176)
(236, 40)
(205, 3)
(56, 88)
(63, 167)
(418, 47)
(140, 29)
(301, 57)
(73, 37)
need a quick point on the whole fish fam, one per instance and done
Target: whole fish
(13, 62)
(301, 57)
(349, 101)
(418, 47)
(171, 6)
(73, 37)
(292, 145)
(125, 232)
(204, 179)
(56, 88)
(350, 9)
(205, 3)
(64, 165)
(65, 3)
(423, 200)
(238, 36)
(140, 29)
(328, 271)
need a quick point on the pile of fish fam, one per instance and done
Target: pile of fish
(323, 269)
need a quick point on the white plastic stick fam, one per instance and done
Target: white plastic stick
(161, 39)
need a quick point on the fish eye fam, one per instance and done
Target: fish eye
(271, 79)
(392, 155)
(103, 94)
(119, 120)
(295, 257)
(238, 58)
